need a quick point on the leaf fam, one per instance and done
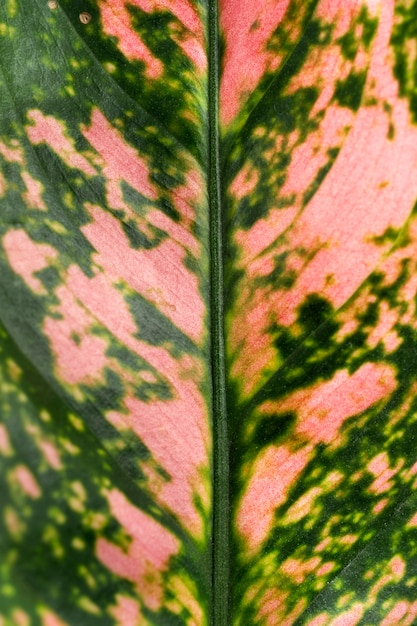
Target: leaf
(207, 312)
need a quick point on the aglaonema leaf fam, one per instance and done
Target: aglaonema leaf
(208, 250)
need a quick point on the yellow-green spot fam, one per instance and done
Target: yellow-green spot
(57, 515)
(13, 523)
(69, 89)
(88, 606)
(51, 537)
(11, 7)
(78, 544)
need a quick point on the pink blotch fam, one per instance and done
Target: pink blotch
(254, 351)
(348, 540)
(397, 566)
(396, 614)
(117, 23)
(245, 181)
(126, 612)
(20, 618)
(175, 231)
(12, 154)
(350, 617)
(190, 195)
(193, 49)
(273, 474)
(303, 505)
(412, 523)
(261, 235)
(340, 13)
(273, 609)
(148, 554)
(183, 419)
(298, 570)
(387, 318)
(5, 447)
(121, 162)
(78, 360)
(47, 129)
(3, 185)
(326, 568)
(27, 481)
(272, 601)
(33, 195)
(159, 274)
(380, 468)
(51, 454)
(247, 58)
(323, 545)
(173, 431)
(50, 619)
(380, 506)
(395, 570)
(323, 408)
(352, 206)
(311, 155)
(27, 257)
(346, 212)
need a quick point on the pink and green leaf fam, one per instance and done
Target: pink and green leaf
(111, 366)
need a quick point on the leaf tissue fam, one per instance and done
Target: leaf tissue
(208, 324)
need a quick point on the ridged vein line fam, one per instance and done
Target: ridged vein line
(221, 510)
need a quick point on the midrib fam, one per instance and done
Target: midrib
(221, 511)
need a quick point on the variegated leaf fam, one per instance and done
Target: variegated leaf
(208, 250)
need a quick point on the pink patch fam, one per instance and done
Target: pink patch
(177, 232)
(298, 570)
(396, 614)
(397, 567)
(117, 23)
(148, 554)
(5, 448)
(50, 619)
(380, 506)
(325, 569)
(337, 229)
(322, 409)
(174, 433)
(80, 356)
(3, 185)
(33, 195)
(27, 481)
(271, 602)
(47, 129)
(247, 25)
(51, 454)
(12, 154)
(121, 162)
(245, 182)
(395, 570)
(27, 257)
(273, 474)
(175, 293)
(412, 523)
(379, 467)
(127, 612)
(351, 617)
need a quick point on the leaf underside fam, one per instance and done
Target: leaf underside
(208, 326)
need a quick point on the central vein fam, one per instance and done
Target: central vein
(221, 510)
